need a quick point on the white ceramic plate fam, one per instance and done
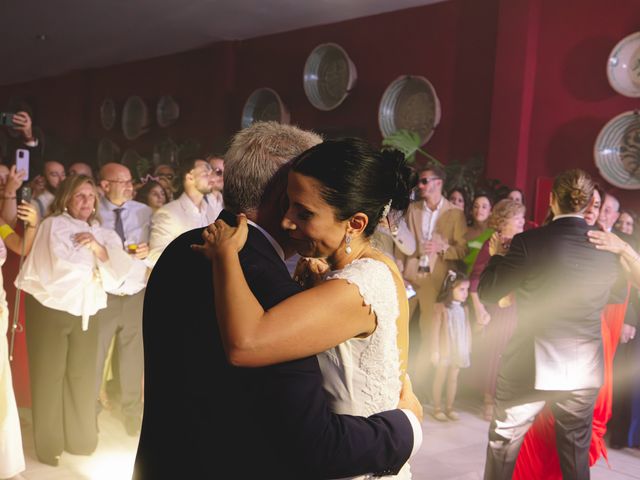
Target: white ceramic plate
(623, 66)
(617, 151)
(329, 75)
(409, 103)
(264, 104)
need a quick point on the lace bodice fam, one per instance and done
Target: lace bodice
(362, 375)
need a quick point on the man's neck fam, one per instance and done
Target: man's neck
(432, 203)
(195, 196)
(117, 203)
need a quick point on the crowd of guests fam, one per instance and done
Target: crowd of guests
(90, 239)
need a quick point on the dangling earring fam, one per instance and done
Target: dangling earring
(347, 241)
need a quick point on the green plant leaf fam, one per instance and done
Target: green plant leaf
(408, 143)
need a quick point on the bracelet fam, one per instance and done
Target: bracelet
(31, 226)
(9, 198)
(5, 231)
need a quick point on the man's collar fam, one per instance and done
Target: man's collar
(438, 207)
(272, 240)
(568, 215)
(111, 206)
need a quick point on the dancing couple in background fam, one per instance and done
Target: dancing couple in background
(561, 281)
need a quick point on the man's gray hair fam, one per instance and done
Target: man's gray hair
(255, 155)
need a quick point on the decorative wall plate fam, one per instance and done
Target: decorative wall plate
(108, 114)
(135, 118)
(167, 111)
(329, 76)
(409, 103)
(108, 152)
(137, 164)
(623, 66)
(617, 151)
(264, 104)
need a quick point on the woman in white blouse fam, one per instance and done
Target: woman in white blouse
(72, 262)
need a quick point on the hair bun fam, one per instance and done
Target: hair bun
(402, 178)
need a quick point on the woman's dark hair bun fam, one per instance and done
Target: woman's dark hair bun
(404, 178)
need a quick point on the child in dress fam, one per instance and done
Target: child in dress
(451, 342)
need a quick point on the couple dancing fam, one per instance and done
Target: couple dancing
(562, 283)
(328, 396)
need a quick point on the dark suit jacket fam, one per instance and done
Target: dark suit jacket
(562, 284)
(206, 419)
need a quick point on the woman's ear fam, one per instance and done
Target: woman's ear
(357, 223)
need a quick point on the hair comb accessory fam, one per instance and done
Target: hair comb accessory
(149, 177)
(451, 276)
(386, 209)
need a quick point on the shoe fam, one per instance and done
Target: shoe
(53, 461)
(452, 415)
(132, 425)
(439, 415)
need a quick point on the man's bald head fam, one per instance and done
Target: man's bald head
(116, 183)
(54, 174)
(81, 168)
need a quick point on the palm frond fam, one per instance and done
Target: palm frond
(408, 143)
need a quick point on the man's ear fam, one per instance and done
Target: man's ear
(358, 222)
(104, 185)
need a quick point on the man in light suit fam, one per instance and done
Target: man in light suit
(439, 231)
(561, 284)
(196, 207)
(204, 418)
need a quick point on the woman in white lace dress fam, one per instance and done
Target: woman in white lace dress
(356, 320)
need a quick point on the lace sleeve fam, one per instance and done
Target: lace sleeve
(375, 283)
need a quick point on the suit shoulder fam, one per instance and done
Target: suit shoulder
(168, 208)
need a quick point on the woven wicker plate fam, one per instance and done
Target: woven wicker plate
(409, 103)
(135, 118)
(264, 104)
(329, 76)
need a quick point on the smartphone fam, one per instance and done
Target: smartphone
(22, 162)
(6, 119)
(24, 194)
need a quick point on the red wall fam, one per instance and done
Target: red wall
(521, 82)
(450, 43)
(571, 97)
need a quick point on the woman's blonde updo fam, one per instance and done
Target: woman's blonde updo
(503, 211)
(573, 190)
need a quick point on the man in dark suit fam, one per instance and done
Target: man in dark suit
(561, 284)
(204, 418)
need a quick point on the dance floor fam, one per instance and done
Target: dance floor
(451, 451)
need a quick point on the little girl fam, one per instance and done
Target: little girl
(451, 341)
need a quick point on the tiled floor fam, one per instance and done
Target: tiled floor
(451, 451)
